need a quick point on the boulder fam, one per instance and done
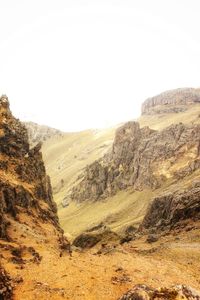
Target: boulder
(143, 292)
(93, 236)
(171, 210)
(6, 286)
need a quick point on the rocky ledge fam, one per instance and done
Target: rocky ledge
(173, 101)
(172, 210)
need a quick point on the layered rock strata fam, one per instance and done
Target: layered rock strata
(173, 101)
(141, 158)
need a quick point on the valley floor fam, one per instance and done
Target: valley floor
(174, 259)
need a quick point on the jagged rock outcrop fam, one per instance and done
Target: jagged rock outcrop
(177, 100)
(6, 288)
(141, 158)
(93, 236)
(171, 210)
(143, 292)
(24, 185)
(28, 212)
(40, 133)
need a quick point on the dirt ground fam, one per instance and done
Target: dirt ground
(91, 275)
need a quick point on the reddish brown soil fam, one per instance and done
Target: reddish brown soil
(174, 259)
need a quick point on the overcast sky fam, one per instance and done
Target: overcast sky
(76, 64)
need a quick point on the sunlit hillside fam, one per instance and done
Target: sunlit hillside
(66, 156)
(37, 261)
(160, 121)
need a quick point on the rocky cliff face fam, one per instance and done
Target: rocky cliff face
(171, 210)
(25, 189)
(171, 101)
(27, 210)
(32, 265)
(23, 180)
(40, 133)
(141, 158)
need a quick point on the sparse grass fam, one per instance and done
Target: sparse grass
(161, 121)
(67, 156)
(119, 211)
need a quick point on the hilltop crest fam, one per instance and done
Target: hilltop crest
(177, 100)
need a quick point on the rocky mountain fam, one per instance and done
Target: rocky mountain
(66, 155)
(40, 133)
(172, 210)
(36, 260)
(178, 100)
(24, 182)
(68, 158)
(143, 164)
(27, 208)
(142, 158)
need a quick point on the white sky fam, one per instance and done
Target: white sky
(76, 64)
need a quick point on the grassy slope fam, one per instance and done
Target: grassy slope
(66, 156)
(163, 120)
(118, 211)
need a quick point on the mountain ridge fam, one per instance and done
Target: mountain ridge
(34, 259)
(177, 100)
(66, 157)
(135, 157)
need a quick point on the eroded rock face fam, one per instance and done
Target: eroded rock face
(173, 101)
(6, 288)
(40, 133)
(13, 135)
(93, 236)
(143, 292)
(167, 211)
(24, 185)
(141, 158)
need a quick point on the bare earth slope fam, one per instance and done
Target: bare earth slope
(94, 276)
